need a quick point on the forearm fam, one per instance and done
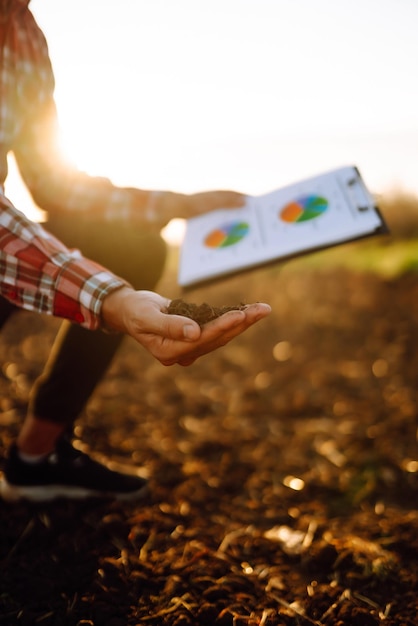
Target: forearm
(59, 187)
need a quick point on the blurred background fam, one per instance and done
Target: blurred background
(242, 94)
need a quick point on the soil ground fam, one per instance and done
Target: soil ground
(284, 470)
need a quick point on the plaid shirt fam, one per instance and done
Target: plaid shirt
(37, 272)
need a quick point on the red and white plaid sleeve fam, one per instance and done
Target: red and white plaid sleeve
(38, 273)
(29, 128)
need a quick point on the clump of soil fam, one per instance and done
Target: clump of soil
(200, 313)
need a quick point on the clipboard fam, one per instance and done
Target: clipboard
(315, 213)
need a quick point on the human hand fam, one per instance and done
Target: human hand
(163, 206)
(169, 205)
(173, 339)
(176, 205)
(203, 202)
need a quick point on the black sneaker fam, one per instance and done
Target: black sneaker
(66, 473)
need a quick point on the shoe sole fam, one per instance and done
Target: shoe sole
(14, 493)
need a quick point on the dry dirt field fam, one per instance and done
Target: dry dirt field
(284, 470)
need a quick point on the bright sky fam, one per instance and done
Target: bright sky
(244, 94)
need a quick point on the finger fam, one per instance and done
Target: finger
(179, 328)
(155, 321)
(172, 350)
(230, 198)
(257, 311)
(232, 320)
(221, 331)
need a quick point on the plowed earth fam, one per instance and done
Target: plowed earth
(284, 470)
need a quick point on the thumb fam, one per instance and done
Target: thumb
(177, 327)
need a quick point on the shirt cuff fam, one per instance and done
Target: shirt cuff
(80, 289)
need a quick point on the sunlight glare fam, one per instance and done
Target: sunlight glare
(234, 94)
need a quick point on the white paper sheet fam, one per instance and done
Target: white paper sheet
(314, 213)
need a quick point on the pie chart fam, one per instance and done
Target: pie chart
(227, 235)
(303, 209)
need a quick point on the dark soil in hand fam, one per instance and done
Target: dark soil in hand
(283, 470)
(200, 313)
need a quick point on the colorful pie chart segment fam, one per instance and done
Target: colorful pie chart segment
(303, 209)
(227, 235)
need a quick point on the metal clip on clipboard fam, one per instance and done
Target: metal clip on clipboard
(358, 193)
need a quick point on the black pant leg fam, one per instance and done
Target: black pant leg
(80, 357)
(77, 363)
(6, 310)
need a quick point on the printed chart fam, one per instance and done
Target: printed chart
(227, 235)
(311, 214)
(303, 209)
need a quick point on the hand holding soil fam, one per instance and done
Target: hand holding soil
(200, 313)
(218, 324)
(170, 338)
